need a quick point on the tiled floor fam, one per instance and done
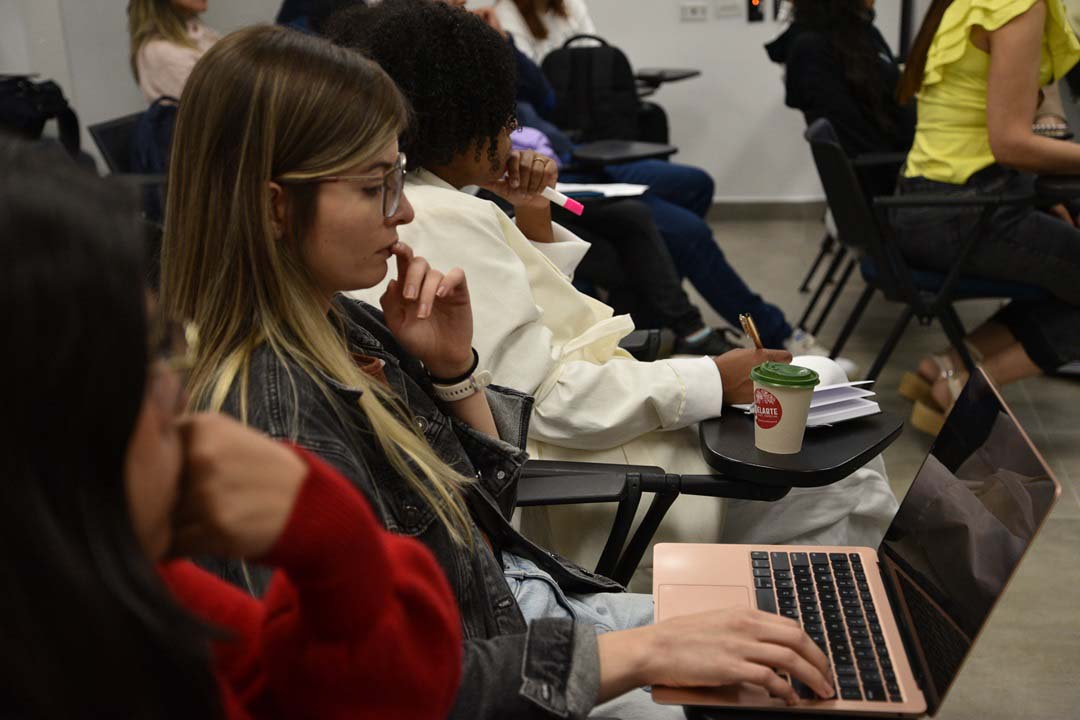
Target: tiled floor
(1026, 664)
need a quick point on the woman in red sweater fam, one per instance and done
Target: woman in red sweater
(101, 481)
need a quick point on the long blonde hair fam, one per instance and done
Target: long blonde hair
(268, 103)
(154, 20)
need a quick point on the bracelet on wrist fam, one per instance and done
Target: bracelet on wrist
(460, 378)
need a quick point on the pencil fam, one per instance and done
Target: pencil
(750, 329)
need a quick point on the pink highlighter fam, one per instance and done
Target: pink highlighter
(562, 201)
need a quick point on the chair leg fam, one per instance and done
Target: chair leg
(639, 543)
(838, 258)
(839, 288)
(826, 248)
(890, 343)
(954, 330)
(852, 321)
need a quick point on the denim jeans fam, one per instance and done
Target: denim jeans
(1021, 244)
(539, 596)
(679, 196)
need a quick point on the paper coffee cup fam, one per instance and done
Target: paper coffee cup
(782, 395)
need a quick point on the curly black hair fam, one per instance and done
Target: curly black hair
(458, 74)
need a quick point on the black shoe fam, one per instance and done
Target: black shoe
(715, 342)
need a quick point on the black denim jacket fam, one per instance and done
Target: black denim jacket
(548, 668)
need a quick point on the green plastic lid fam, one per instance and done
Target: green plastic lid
(784, 375)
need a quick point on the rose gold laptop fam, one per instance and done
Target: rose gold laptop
(898, 622)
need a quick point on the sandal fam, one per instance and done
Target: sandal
(927, 415)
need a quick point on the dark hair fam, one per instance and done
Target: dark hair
(87, 627)
(911, 80)
(531, 11)
(458, 74)
(844, 24)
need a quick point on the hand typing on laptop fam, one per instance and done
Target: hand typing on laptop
(721, 647)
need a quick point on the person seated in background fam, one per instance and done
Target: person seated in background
(106, 486)
(167, 38)
(839, 67)
(315, 210)
(679, 195)
(309, 15)
(976, 69)
(534, 331)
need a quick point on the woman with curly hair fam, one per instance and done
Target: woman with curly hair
(167, 39)
(534, 331)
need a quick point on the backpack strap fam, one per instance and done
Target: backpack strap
(584, 36)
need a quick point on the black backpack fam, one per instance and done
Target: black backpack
(595, 91)
(25, 107)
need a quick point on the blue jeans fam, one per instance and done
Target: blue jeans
(539, 596)
(679, 196)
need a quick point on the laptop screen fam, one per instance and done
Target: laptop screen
(979, 498)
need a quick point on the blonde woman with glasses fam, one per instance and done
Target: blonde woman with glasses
(285, 190)
(167, 39)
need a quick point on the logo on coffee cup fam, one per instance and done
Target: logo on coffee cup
(767, 409)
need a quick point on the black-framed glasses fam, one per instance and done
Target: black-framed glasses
(392, 187)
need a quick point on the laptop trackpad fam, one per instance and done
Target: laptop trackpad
(675, 600)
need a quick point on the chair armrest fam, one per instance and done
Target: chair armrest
(555, 482)
(928, 200)
(644, 345)
(1057, 188)
(867, 160)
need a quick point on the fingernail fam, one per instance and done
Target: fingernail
(411, 292)
(441, 292)
(425, 310)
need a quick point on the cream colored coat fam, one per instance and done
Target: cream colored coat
(536, 333)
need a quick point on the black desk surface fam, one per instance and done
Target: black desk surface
(655, 76)
(616, 151)
(828, 453)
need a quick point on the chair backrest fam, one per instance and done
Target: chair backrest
(595, 90)
(856, 223)
(114, 138)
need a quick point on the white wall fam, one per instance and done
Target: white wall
(732, 120)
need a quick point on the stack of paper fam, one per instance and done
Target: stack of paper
(610, 190)
(833, 404)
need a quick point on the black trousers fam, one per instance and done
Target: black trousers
(1022, 244)
(630, 260)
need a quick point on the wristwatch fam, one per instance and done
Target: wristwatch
(461, 390)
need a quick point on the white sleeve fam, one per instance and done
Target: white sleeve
(595, 406)
(566, 252)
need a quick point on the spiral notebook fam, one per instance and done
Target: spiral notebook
(837, 403)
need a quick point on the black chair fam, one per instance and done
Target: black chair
(924, 294)
(865, 164)
(115, 138)
(742, 472)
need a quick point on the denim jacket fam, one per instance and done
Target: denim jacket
(549, 668)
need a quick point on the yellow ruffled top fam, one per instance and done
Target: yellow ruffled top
(951, 140)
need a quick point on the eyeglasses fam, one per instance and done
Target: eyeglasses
(392, 187)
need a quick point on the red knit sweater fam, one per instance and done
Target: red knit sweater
(357, 622)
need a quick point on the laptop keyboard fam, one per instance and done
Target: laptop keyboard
(829, 596)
